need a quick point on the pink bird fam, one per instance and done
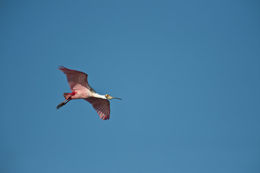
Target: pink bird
(80, 88)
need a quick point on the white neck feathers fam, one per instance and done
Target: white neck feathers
(98, 96)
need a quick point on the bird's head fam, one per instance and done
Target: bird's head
(109, 97)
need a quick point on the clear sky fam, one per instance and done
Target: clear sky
(188, 72)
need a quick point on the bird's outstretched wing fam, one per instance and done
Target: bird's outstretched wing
(77, 80)
(102, 106)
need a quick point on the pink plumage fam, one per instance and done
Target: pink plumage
(102, 107)
(81, 90)
(76, 79)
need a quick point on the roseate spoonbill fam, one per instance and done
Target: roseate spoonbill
(80, 88)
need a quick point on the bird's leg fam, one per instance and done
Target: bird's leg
(67, 99)
(63, 103)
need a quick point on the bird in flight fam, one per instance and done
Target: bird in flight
(78, 82)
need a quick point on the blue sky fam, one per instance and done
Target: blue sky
(188, 73)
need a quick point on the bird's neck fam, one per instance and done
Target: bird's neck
(99, 96)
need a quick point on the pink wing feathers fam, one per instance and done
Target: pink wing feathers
(77, 80)
(102, 106)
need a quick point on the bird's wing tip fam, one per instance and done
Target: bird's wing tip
(61, 67)
(105, 118)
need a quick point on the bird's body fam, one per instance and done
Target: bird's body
(81, 90)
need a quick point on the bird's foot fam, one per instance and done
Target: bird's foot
(60, 105)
